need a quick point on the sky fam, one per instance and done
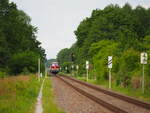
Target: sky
(58, 19)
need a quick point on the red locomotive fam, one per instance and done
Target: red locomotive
(54, 67)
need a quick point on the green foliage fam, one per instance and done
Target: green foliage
(121, 32)
(68, 65)
(23, 61)
(82, 31)
(100, 52)
(2, 74)
(146, 43)
(64, 56)
(17, 35)
(25, 71)
(129, 64)
(129, 61)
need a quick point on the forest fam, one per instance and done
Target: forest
(19, 48)
(121, 32)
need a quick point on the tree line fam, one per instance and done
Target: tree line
(121, 32)
(19, 48)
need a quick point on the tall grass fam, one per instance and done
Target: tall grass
(18, 94)
(49, 105)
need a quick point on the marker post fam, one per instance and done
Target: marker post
(72, 70)
(144, 58)
(39, 69)
(77, 67)
(45, 71)
(66, 69)
(109, 67)
(143, 77)
(87, 70)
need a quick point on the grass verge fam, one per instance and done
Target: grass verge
(18, 94)
(48, 101)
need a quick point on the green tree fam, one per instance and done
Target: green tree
(100, 52)
(17, 36)
(24, 61)
(121, 32)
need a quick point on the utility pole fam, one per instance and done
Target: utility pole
(45, 70)
(39, 69)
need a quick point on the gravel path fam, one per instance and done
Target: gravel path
(71, 101)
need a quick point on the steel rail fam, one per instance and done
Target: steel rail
(122, 97)
(95, 99)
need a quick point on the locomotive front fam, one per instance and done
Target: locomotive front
(54, 68)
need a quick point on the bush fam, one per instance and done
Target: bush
(25, 71)
(100, 52)
(136, 82)
(24, 61)
(2, 74)
(129, 62)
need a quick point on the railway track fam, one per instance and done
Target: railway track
(106, 104)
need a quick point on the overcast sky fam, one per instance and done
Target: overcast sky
(58, 19)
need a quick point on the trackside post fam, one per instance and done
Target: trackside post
(144, 58)
(72, 70)
(77, 67)
(109, 67)
(39, 69)
(87, 70)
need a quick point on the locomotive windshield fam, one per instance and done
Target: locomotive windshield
(54, 68)
(54, 64)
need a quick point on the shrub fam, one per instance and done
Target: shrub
(129, 62)
(100, 52)
(2, 74)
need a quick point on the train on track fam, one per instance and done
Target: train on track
(54, 68)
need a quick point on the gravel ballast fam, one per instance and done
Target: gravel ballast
(128, 107)
(71, 101)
